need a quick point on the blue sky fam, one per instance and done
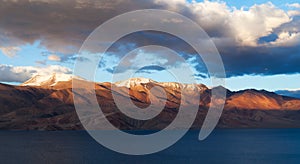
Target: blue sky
(57, 44)
(247, 3)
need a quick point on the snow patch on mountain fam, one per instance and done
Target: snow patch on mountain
(48, 80)
(194, 87)
(134, 82)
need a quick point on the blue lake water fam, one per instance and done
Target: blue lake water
(222, 146)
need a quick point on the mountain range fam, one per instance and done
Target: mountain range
(46, 103)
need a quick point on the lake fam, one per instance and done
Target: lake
(222, 146)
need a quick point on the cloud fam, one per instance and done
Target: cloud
(293, 13)
(287, 38)
(150, 69)
(10, 51)
(260, 20)
(145, 59)
(261, 61)
(200, 76)
(293, 5)
(260, 39)
(62, 26)
(244, 26)
(54, 58)
(20, 74)
(288, 34)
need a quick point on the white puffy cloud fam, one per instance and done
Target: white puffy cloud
(295, 9)
(258, 21)
(287, 39)
(244, 26)
(293, 13)
(293, 5)
(20, 74)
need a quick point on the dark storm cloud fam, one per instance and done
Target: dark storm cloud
(261, 61)
(147, 69)
(150, 69)
(139, 39)
(60, 26)
(281, 57)
(201, 75)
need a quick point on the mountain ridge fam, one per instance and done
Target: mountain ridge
(52, 107)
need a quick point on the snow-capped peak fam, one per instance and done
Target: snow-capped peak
(134, 82)
(194, 87)
(48, 80)
(139, 81)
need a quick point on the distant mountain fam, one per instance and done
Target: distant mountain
(254, 99)
(46, 103)
(290, 93)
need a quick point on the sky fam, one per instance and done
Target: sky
(258, 41)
